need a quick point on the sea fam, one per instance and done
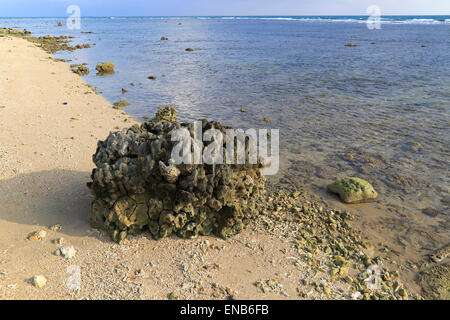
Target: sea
(379, 110)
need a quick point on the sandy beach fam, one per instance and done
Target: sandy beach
(50, 122)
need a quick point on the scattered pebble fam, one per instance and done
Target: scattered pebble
(55, 227)
(173, 296)
(59, 241)
(37, 235)
(68, 252)
(39, 281)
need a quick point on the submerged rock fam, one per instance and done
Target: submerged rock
(435, 282)
(353, 190)
(105, 68)
(431, 212)
(120, 104)
(351, 45)
(137, 186)
(441, 254)
(164, 38)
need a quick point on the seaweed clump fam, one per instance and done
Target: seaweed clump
(138, 187)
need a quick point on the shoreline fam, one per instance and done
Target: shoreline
(44, 166)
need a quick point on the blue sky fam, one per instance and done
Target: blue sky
(52, 8)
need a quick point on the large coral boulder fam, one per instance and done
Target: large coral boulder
(137, 187)
(353, 190)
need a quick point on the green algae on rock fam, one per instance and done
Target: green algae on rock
(137, 186)
(166, 114)
(353, 190)
(80, 70)
(105, 68)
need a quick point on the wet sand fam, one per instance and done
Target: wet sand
(50, 122)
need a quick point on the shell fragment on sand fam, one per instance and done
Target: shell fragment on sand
(39, 281)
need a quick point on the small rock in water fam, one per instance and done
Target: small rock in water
(39, 281)
(190, 49)
(124, 90)
(152, 78)
(353, 190)
(105, 68)
(68, 252)
(120, 104)
(351, 45)
(164, 38)
(431, 212)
